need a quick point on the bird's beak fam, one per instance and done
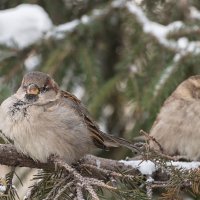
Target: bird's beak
(32, 89)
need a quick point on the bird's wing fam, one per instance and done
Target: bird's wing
(93, 128)
(100, 139)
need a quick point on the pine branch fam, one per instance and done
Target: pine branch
(9, 156)
(93, 172)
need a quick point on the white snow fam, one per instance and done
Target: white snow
(148, 167)
(148, 26)
(78, 91)
(166, 74)
(175, 26)
(157, 30)
(2, 188)
(134, 69)
(118, 3)
(23, 25)
(149, 179)
(59, 31)
(183, 42)
(28, 23)
(32, 61)
(181, 46)
(161, 32)
(145, 167)
(69, 26)
(186, 165)
(85, 19)
(108, 110)
(194, 13)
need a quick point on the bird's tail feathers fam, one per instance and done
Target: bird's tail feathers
(113, 141)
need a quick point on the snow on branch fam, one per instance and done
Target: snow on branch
(23, 25)
(9, 156)
(166, 74)
(161, 32)
(194, 13)
(27, 24)
(98, 172)
(164, 36)
(60, 31)
(148, 167)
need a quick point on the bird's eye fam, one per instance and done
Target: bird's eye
(45, 88)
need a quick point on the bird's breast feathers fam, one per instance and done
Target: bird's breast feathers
(36, 133)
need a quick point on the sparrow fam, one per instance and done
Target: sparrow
(42, 121)
(176, 131)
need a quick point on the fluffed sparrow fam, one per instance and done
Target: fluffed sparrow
(42, 120)
(177, 127)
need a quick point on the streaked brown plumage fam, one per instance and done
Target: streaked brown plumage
(177, 127)
(43, 120)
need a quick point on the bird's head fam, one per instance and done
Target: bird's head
(189, 89)
(37, 88)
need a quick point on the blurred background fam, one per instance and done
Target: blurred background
(121, 58)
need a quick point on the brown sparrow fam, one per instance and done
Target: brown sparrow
(177, 127)
(43, 120)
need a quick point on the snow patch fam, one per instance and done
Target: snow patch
(194, 13)
(78, 91)
(148, 167)
(165, 75)
(186, 165)
(32, 62)
(183, 42)
(161, 32)
(2, 188)
(60, 30)
(145, 167)
(23, 25)
(85, 19)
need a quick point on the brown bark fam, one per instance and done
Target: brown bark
(9, 156)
